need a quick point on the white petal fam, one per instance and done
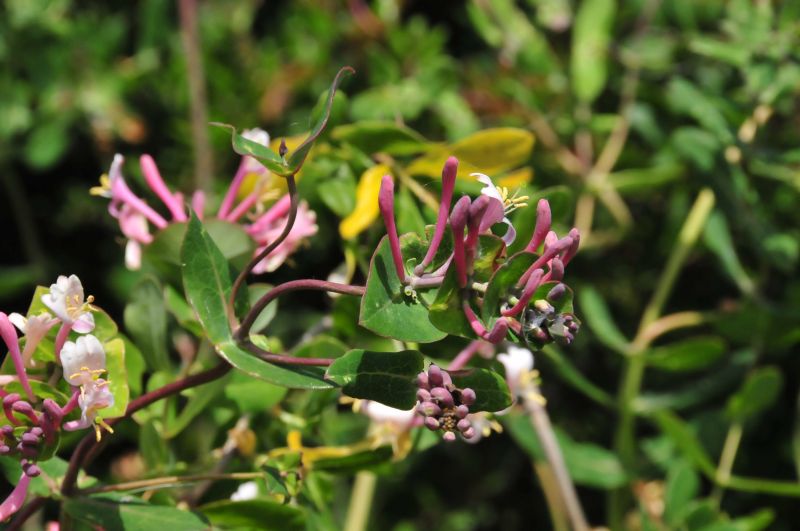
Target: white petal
(18, 320)
(246, 491)
(84, 323)
(490, 189)
(133, 255)
(382, 413)
(511, 233)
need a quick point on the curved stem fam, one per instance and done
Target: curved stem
(243, 332)
(283, 359)
(88, 443)
(292, 189)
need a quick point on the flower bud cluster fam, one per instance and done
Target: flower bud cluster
(443, 405)
(543, 324)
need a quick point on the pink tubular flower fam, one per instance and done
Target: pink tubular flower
(270, 225)
(448, 184)
(386, 204)
(16, 499)
(35, 328)
(247, 166)
(9, 336)
(174, 202)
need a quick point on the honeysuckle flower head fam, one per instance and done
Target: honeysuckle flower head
(135, 227)
(67, 302)
(95, 395)
(508, 204)
(382, 413)
(270, 225)
(518, 362)
(246, 491)
(35, 328)
(444, 406)
(83, 360)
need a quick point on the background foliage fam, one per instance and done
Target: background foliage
(666, 131)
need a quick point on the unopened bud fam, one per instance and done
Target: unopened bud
(443, 396)
(557, 292)
(282, 149)
(467, 396)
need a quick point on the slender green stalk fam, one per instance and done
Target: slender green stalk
(544, 430)
(558, 513)
(169, 481)
(624, 439)
(726, 460)
(360, 501)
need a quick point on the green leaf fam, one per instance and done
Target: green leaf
(253, 395)
(263, 154)
(207, 281)
(42, 390)
(381, 137)
(255, 514)
(199, 399)
(687, 355)
(49, 482)
(46, 144)
(591, 36)
(386, 309)
(490, 151)
(640, 180)
(254, 293)
(683, 484)
(117, 376)
(587, 464)
(321, 346)
(598, 317)
(133, 516)
(574, 377)
(446, 312)
(491, 391)
(298, 156)
(386, 377)
(717, 237)
(355, 462)
(181, 310)
(686, 441)
(761, 389)
(145, 319)
(291, 376)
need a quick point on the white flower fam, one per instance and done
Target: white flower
(246, 491)
(66, 301)
(509, 203)
(484, 424)
(518, 362)
(258, 136)
(384, 414)
(35, 328)
(83, 360)
(95, 395)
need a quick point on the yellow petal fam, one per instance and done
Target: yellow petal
(366, 210)
(490, 151)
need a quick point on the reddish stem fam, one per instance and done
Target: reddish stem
(292, 189)
(243, 332)
(89, 442)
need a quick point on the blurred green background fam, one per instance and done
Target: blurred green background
(636, 106)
